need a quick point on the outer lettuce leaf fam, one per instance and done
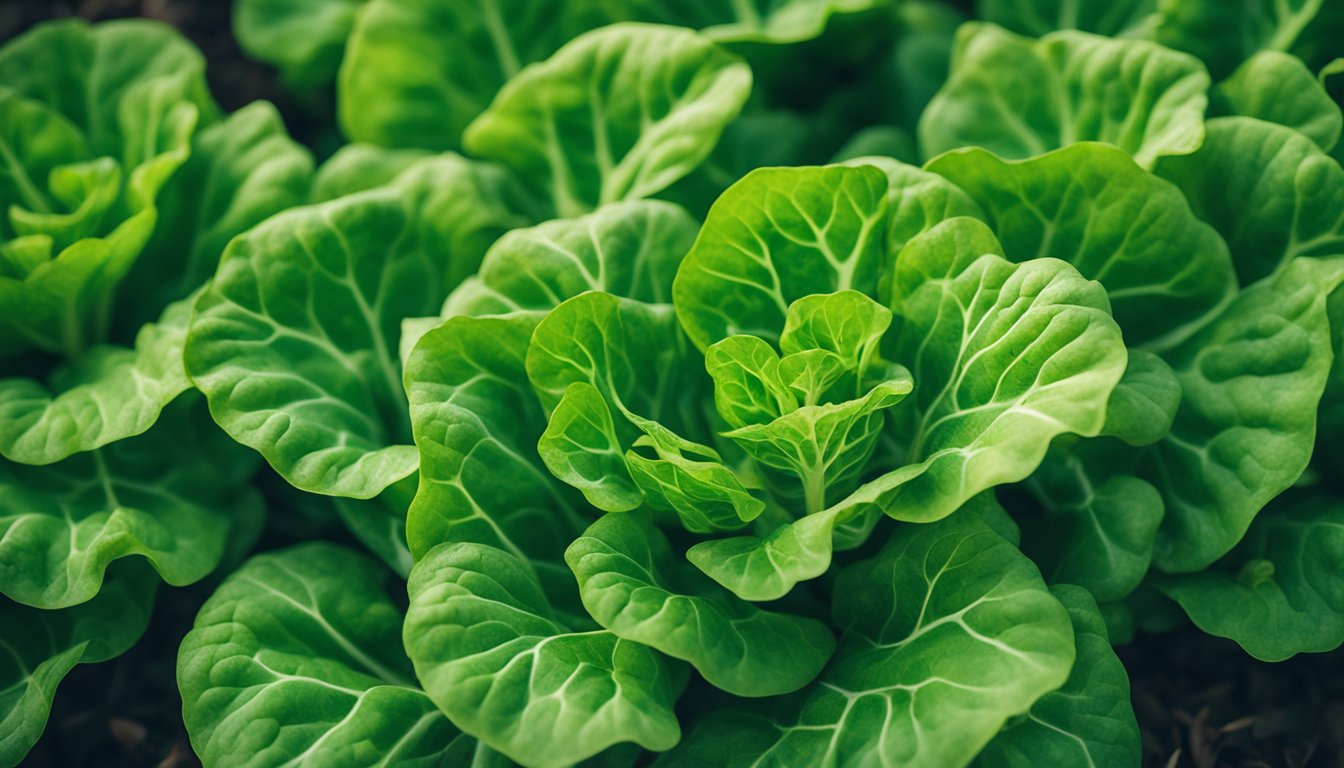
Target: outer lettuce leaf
(493, 654)
(476, 425)
(304, 39)
(947, 633)
(1252, 382)
(50, 643)
(111, 394)
(617, 114)
(295, 342)
(295, 661)
(175, 495)
(1020, 98)
(1089, 721)
(1089, 205)
(629, 249)
(416, 72)
(1278, 88)
(633, 584)
(1269, 191)
(1280, 592)
(775, 236)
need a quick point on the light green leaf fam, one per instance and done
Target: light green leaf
(633, 584)
(51, 643)
(1269, 191)
(1165, 272)
(1004, 358)
(617, 114)
(755, 21)
(492, 654)
(1123, 18)
(1280, 592)
(775, 236)
(948, 633)
(295, 342)
(1098, 522)
(1278, 88)
(580, 447)
(476, 423)
(848, 324)
(304, 39)
(748, 388)
(629, 249)
(916, 202)
(295, 661)
(823, 448)
(1089, 721)
(416, 72)
(112, 393)
(706, 495)
(172, 495)
(626, 349)
(1020, 98)
(1252, 381)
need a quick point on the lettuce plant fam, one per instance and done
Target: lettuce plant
(787, 382)
(122, 182)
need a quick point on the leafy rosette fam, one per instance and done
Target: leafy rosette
(122, 183)
(1228, 384)
(568, 381)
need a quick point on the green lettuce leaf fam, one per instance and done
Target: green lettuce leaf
(617, 114)
(295, 660)
(1020, 98)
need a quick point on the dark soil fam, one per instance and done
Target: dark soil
(1201, 702)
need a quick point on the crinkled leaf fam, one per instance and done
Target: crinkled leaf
(1251, 381)
(633, 584)
(947, 633)
(1089, 721)
(416, 72)
(51, 643)
(1093, 207)
(774, 237)
(629, 249)
(112, 393)
(1143, 405)
(1020, 98)
(295, 343)
(1280, 592)
(580, 447)
(491, 653)
(1278, 88)
(1269, 191)
(917, 201)
(617, 114)
(172, 495)
(476, 424)
(295, 660)
(705, 495)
